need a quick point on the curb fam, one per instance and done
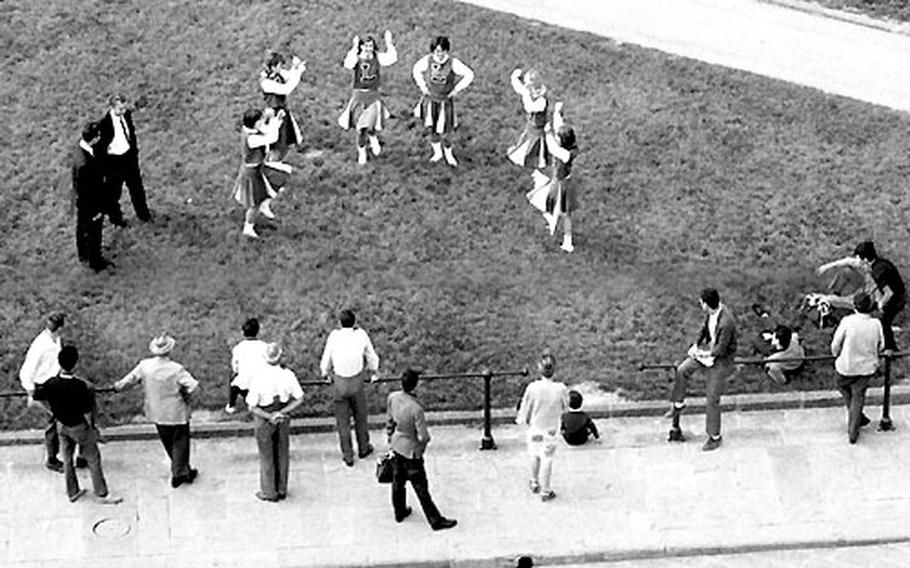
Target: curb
(900, 395)
(890, 26)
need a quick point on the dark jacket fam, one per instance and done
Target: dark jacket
(106, 134)
(87, 181)
(725, 347)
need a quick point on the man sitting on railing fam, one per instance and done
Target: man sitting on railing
(786, 345)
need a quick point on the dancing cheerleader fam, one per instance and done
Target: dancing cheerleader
(365, 110)
(530, 151)
(258, 181)
(556, 196)
(276, 84)
(435, 75)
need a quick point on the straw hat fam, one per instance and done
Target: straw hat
(162, 344)
(272, 353)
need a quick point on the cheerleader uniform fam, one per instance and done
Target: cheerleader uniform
(531, 149)
(437, 110)
(256, 180)
(289, 133)
(365, 110)
(561, 196)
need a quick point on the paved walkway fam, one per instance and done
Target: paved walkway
(804, 47)
(784, 479)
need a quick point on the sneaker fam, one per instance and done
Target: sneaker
(534, 486)
(249, 231)
(437, 153)
(228, 409)
(567, 245)
(444, 523)
(54, 465)
(711, 443)
(109, 499)
(375, 147)
(450, 157)
(547, 496)
(81, 463)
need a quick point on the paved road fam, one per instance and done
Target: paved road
(831, 55)
(784, 478)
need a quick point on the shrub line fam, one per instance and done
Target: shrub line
(890, 26)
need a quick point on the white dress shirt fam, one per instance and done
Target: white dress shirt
(40, 360)
(247, 356)
(346, 349)
(120, 144)
(269, 382)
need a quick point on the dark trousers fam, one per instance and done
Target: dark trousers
(889, 312)
(351, 402)
(176, 441)
(715, 381)
(853, 390)
(273, 441)
(234, 393)
(413, 470)
(51, 438)
(121, 170)
(86, 438)
(88, 235)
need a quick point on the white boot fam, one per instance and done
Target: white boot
(249, 231)
(567, 243)
(374, 145)
(552, 220)
(266, 210)
(362, 155)
(450, 158)
(437, 151)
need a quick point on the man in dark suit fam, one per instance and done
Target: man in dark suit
(408, 439)
(119, 155)
(712, 354)
(88, 199)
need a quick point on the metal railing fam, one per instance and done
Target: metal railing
(486, 442)
(885, 424)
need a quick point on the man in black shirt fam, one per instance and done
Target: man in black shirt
(892, 293)
(72, 403)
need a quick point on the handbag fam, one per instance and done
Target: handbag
(384, 468)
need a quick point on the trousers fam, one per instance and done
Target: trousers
(350, 401)
(853, 390)
(413, 470)
(715, 381)
(273, 441)
(176, 441)
(86, 438)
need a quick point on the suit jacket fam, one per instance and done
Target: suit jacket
(106, 126)
(87, 181)
(725, 346)
(407, 425)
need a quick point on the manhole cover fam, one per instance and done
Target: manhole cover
(111, 528)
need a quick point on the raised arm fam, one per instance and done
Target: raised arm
(270, 134)
(517, 85)
(292, 79)
(390, 55)
(350, 60)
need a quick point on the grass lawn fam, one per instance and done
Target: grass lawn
(891, 9)
(690, 175)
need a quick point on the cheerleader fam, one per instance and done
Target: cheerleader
(530, 151)
(365, 110)
(258, 181)
(556, 196)
(276, 84)
(435, 75)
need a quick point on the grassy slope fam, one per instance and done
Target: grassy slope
(892, 9)
(691, 176)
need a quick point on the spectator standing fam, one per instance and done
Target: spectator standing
(41, 364)
(119, 154)
(274, 394)
(348, 360)
(168, 386)
(72, 403)
(577, 426)
(408, 439)
(542, 406)
(88, 199)
(712, 354)
(247, 355)
(857, 343)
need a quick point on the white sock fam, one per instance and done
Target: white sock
(361, 155)
(450, 158)
(266, 210)
(374, 145)
(437, 151)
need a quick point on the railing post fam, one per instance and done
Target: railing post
(885, 424)
(487, 443)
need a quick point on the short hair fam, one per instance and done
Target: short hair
(532, 78)
(865, 250)
(251, 117)
(366, 39)
(250, 327)
(710, 297)
(409, 380)
(575, 399)
(89, 130)
(346, 318)
(863, 303)
(784, 335)
(547, 364)
(68, 357)
(274, 59)
(440, 41)
(116, 98)
(566, 136)
(55, 321)
(525, 562)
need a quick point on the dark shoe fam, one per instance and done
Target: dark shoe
(263, 497)
(77, 495)
(547, 496)
(674, 411)
(282, 496)
(54, 465)
(369, 451)
(348, 462)
(81, 463)
(120, 223)
(177, 481)
(403, 516)
(676, 435)
(146, 218)
(711, 444)
(192, 475)
(864, 421)
(444, 523)
(100, 265)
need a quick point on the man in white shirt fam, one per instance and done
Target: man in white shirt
(541, 408)
(246, 356)
(41, 364)
(347, 361)
(119, 154)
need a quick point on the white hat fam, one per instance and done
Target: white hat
(162, 344)
(272, 353)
